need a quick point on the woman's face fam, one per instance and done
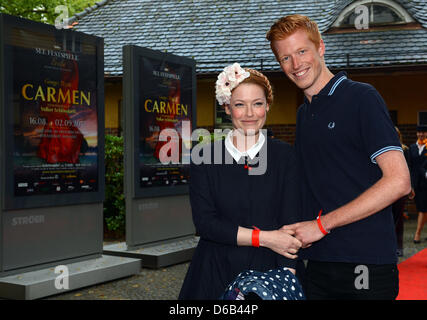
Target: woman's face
(248, 108)
(422, 135)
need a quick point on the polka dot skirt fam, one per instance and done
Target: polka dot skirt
(277, 284)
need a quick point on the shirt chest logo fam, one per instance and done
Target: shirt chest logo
(331, 125)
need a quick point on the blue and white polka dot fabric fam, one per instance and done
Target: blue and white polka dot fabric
(277, 284)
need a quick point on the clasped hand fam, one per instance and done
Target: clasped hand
(282, 242)
(306, 232)
(290, 238)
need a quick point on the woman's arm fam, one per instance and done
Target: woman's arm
(280, 241)
(212, 226)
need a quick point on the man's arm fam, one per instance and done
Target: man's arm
(394, 184)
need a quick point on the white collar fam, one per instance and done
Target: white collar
(236, 154)
(420, 147)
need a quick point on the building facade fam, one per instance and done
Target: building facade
(381, 42)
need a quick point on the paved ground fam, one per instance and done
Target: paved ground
(165, 283)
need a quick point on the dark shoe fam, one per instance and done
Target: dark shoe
(417, 241)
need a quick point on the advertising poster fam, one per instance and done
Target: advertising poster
(55, 126)
(166, 96)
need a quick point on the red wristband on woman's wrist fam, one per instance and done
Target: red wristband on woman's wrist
(255, 237)
(319, 224)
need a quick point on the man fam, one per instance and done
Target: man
(417, 160)
(352, 170)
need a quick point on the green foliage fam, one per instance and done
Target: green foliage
(42, 10)
(212, 137)
(114, 204)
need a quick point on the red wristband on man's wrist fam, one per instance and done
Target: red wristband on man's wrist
(319, 224)
(255, 237)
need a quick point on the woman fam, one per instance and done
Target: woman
(237, 213)
(417, 161)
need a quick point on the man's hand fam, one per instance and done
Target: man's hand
(307, 232)
(281, 242)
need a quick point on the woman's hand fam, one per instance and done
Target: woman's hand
(280, 241)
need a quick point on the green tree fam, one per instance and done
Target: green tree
(114, 204)
(42, 10)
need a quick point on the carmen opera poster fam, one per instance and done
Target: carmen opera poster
(166, 97)
(55, 147)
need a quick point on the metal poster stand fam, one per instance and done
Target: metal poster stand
(159, 92)
(52, 161)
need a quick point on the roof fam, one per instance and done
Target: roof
(216, 33)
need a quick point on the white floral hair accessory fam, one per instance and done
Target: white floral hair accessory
(227, 80)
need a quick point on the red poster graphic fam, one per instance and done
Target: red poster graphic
(61, 140)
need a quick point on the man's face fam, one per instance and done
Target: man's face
(300, 60)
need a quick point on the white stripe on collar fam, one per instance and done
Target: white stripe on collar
(331, 92)
(236, 154)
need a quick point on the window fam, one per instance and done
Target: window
(381, 13)
(422, 118)
(393, 116)
(120, 124)
(222, 119)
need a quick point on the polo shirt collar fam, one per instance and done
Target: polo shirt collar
(237, 154)
(331, 86)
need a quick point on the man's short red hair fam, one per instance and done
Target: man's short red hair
(286, 26)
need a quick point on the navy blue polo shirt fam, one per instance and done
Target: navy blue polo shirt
(339, 135)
